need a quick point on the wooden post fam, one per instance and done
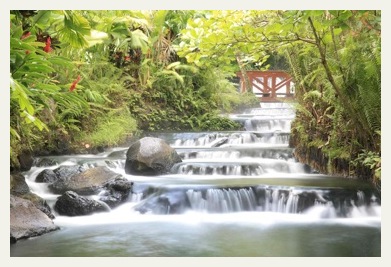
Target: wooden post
(273, 77)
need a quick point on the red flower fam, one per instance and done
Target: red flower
(25, 35)
(74, 83)
(127, 58)
(47, 47)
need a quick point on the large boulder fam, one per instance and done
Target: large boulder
(19, 187)
(150, 156)
(26, 220)
(88, 182)
(71, 204)
(64, 172)
(46, 176)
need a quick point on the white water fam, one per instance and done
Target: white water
(243, 185)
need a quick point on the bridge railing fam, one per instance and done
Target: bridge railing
(269, 86)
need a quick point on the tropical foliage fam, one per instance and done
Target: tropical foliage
(81, 79)
(334, 57)
(75, 73)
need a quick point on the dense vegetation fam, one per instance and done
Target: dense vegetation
(85, 79)
(334, 58)
(95, 77)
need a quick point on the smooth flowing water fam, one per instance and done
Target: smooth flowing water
(234, 194)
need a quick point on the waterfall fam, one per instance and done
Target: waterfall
(222, 200)
(234, 193)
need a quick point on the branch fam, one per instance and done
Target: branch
(338, 90)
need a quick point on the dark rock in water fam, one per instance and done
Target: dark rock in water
(150, 156)
(60, 173)
(27, 221)
(64, 172)
(71, 204)
(172, 202)
(46, 176)
(26, 160)
(45, 162)
(116, 191)
(19, 187)
(307, 168)
(87, 182)
(219, 142)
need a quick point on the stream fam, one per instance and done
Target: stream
(235, 194)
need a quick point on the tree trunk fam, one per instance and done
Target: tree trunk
(246, 80)
(366, 131)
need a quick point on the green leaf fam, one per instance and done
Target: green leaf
(315, 13)
(14, 133)
(139, 40)
(48, 87)
(174, 74)
(16, 32)
(75, 29)
(61, 61)
(173, 65)
(42, 19)
(76, 22)
(34, 67)
(31, 119)
(19, 93)
(96, 37)
(337, 31)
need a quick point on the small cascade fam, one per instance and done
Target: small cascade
(115, 164)
(237, 152)
(222, 200)
(262, 198)
(231, 139)
(205, 140)
(260, 124)
(213, 168)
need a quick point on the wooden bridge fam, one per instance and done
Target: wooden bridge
(269, 86)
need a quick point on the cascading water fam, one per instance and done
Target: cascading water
(234, 194)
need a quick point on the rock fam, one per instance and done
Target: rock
(116, 191)
(88, 182)
(71, 204)
(150, 156)
(45, 162)
(219, 142)
(27, 221)
(46, 176)
(19, 187)
(64, 172)
(60, 173)
(26, 160)
(173, 202)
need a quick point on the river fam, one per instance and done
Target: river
(235, 194)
